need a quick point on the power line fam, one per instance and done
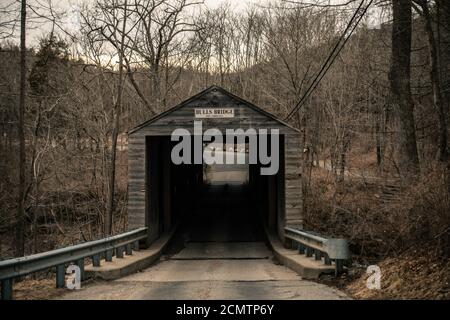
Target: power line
(328, 59)
(315, 84)
(331, 57)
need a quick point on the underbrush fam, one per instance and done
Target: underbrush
(62, 219)
(68, 204)
(407, 236)
(354, 209)
(417, 273)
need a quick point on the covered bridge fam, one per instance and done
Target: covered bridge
(162, 194)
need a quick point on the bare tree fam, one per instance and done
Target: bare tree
(119, 44)
(159, 30)
(441, 107)
(400, 81)
(443, 40)
(20, 219)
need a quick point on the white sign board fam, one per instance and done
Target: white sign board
(214, 113)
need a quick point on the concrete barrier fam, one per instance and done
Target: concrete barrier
(139, 260)
(307, 268)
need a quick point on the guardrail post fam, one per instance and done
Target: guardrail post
(293, 245)
(327, 260)
(119, 252)
(136, 245)
(7, 289)
(129, 250)
(108, 255)
(301, 248)
(80, 264)
(339, 266)
(96, 260)
(309, 252)
(60, 276)
(317, 255)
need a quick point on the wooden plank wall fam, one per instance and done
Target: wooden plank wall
(183, 117)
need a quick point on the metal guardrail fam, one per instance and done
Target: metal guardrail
(97, 249)
(332, 250)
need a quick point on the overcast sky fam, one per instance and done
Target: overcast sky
(69, 7)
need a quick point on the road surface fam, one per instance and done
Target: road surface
(218, 254)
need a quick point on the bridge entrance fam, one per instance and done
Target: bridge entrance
(213, 201)
(217, 202)
(223, 213)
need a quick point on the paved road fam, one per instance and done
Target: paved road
(205, 290)
(235, 272)
(217, 254)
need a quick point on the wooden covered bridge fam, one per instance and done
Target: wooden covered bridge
(161, 193)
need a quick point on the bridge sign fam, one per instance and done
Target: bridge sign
(214, 113)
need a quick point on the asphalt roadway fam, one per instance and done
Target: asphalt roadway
(218, 253)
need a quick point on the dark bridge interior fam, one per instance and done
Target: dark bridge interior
(205, 210)
(222, 213)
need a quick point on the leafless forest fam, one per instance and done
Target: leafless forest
(374, 129)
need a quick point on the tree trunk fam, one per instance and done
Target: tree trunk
(112, 168)
(378, 140)
(156, 87)
(137, 89)
(115, 132)
(342, 158)
(20, 218)
(443, 28)
(400, 82)
(436, 82)
(443, 18)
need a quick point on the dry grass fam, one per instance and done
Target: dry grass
(353, 209)
(415, 274)
(408, 237)
(36, 289)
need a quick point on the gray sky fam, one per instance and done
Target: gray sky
(235, 4)
(69, 7)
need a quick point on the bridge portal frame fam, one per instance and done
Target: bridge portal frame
(289, 211)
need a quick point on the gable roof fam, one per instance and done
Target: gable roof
(200, 94)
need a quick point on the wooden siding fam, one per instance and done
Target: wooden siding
(246, 116)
